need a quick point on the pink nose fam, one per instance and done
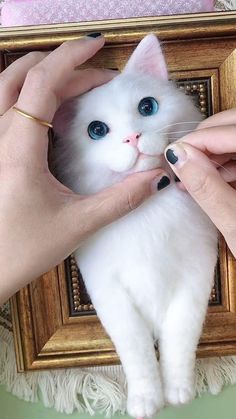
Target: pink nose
(132, 139)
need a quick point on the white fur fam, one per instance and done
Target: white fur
(150, 273)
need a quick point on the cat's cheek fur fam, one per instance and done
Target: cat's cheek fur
(120, 159)
(153, 143)
(147, 163)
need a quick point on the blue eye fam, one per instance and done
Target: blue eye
(148, 106)
(97, 130)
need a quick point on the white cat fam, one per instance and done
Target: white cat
(150, 273)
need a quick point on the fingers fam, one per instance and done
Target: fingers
(43, 81)
(228, 171)
(84, 80)
(13, 77)
(220, 159)
(88, 215)
(205, 184)
(214, 140)
(222, 118)
(215, 136)
(40, 93)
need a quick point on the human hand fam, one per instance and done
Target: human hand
(205, 162)
(42, 221)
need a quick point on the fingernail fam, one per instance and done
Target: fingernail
(94, 34)
(177, 179)
(160, 182)
(163, 183)
(176, 154)
(171, 157)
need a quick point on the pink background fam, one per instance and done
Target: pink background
(35, 12)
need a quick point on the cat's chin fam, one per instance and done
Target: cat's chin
(145, 162)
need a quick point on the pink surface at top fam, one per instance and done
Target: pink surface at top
(36, 12)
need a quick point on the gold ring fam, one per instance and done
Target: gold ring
(27, 115)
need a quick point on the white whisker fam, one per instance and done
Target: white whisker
(220, 165)
(172, 132)
(180, 123)
(172, 140)
(178, 132)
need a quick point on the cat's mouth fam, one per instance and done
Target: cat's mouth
(144, 155)
(148, 162)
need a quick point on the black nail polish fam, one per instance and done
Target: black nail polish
(171, 157)
(177, 179)
(94, 34)
(165, 181)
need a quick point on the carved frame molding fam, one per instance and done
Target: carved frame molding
(196, 46)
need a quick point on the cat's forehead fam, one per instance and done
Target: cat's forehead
(140, 81)
(124, 88)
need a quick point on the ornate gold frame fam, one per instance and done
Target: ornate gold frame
(196, 46)
(121, 30)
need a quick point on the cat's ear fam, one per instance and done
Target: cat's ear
(147, 58)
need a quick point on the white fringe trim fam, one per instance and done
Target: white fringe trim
(93, 390)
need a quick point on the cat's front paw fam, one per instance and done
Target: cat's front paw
(144, 401)
(178, 395)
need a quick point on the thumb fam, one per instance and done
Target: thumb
(88, 214)
(205, 184)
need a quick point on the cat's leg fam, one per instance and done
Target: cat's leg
(134, 344)
(180, 333)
